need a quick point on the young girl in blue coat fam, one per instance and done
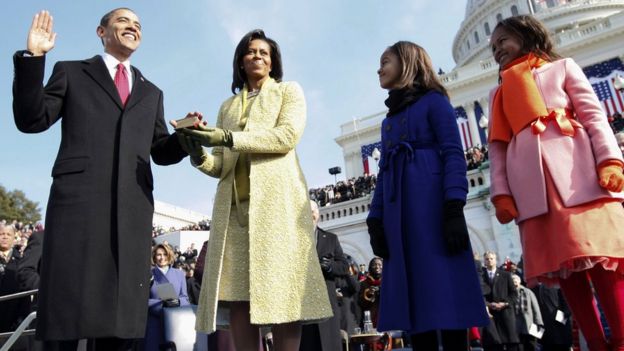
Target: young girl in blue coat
(416, 222)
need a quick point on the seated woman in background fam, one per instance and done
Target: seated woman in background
(163, 273)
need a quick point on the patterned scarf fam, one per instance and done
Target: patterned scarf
(521, 304)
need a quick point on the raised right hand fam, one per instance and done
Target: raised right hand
(40, 37)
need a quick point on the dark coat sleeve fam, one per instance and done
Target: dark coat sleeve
(166, 149)
(28, 267)
(36, 108)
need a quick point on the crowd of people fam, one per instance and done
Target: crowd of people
(357, 187)
(158, 230)
(357, 290)
(349, 189)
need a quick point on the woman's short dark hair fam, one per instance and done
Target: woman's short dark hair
(416, 68)
(239, 76)
(533, 35)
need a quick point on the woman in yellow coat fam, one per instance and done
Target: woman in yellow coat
(261, 260)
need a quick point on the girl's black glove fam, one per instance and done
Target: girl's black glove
(454, 227)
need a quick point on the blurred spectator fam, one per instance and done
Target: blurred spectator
(11, 312)
(163, 273)
(369, 289)
(190, 254)
(617, 122)
(527, 314)
(475, 156)
(349, 189)
(620, 140)
(558, 333)
(325, 336)
(347, 289)
(499, 301)
(362, 273)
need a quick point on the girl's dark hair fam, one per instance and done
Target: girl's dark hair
(239, 77)
(416, 68)
(533, 35)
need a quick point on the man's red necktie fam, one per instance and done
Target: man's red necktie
(121, 82)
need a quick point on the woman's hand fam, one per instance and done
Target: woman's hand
(207, 136)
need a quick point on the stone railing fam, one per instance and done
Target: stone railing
(357, 209)
(342, 210)
(358, 124)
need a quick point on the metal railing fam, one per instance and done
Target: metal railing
(21, 329)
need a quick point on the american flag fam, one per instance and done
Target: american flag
(367, 153)
(601, 76)
(464, 128)
(603, 69)
(610, 97)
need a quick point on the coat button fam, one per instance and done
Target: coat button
(404, 136)
(388, 144)
(404, 120)
(388, 127)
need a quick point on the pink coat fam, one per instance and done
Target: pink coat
(517, 167)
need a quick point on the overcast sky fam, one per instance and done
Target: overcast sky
(331, 48)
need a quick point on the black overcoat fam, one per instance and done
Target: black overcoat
(325, 336)
(503, 326)
(96, 251)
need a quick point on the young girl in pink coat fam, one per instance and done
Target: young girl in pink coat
(557, 170)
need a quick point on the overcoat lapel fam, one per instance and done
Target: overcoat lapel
(97, 70)
(159, 276)
(138, 89)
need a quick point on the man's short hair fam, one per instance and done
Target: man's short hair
(10, 227)
(489, 253)
(106, 18)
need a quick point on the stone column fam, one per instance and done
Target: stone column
(485, 106)
(472, 122)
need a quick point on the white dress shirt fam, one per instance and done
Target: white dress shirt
(111, 64)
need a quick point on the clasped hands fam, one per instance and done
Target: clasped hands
(193, 138)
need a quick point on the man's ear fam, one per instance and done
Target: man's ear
(99, 31)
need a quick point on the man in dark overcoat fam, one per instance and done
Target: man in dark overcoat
(12, 311)
(501, 334)
(325, 336)
(96, 250)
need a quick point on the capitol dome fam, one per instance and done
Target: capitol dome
(471, 42)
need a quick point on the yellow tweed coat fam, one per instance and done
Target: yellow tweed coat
(286, 283)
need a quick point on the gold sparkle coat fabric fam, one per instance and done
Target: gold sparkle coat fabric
(285, 279)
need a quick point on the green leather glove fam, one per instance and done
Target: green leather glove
(191, 147)
(209, 137)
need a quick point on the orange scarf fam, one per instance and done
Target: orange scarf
(517, 101)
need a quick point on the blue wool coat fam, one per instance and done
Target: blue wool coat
(154, 333)
(422, 165)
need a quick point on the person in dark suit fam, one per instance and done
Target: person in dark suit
(30, 265)
(13, 311)
(557, 336)
(325, 336)
(501, 334)
(100, 207)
